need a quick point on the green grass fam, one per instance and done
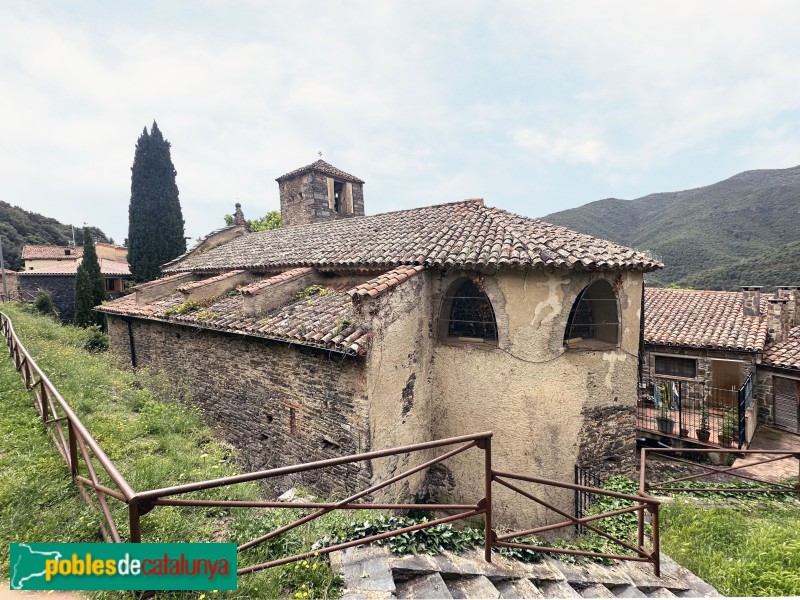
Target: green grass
(751, 550)
(155, 440)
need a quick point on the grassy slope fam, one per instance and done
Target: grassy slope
(154, 441)
(703, 228)
(748, 551)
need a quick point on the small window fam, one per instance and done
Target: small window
(338, 196)
(67, 252)
(110, 285)
(594, 320)
(676, 366)
(469, 313)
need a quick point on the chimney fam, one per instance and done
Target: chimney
(791, 293)
(751, 300)
(778, 319)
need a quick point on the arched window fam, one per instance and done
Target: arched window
(594, 319)
(469, 313)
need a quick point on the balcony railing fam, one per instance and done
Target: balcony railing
(694, 411)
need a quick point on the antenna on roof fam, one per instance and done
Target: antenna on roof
(320, 153)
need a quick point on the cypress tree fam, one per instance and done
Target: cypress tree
(90, 290)
(155, 220)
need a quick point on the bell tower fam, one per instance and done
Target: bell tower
(319, 192)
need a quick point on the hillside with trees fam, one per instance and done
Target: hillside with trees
(20, 227)
(720, 236)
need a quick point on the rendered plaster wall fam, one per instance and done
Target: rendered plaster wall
(540, 399)
(276, 405)
(399, 384)
(61, 288)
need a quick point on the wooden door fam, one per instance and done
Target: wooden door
(787, 403)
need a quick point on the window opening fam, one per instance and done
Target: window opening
(338, 196)
(471, 314)
(593, 320)
(676, 366)
(109, 285)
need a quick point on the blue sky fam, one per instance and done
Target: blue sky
(534, 106)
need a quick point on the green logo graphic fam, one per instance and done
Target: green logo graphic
(123, 567)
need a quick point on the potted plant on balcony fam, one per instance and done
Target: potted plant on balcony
(729, 427)
(703, 433)
(666, 424)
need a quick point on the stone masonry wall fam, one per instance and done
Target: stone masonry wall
(277, 405)
(304, 199)
(61, 288)
(607, 442)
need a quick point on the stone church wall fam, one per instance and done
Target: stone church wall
(277, 405)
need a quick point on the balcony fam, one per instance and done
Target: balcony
(694, 412)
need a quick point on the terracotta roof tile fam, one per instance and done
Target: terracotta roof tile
(703, 319)
(260, 286)
(785, 355)
(204, 282)
(324, 320)
(378, 285)
(30, 252)
(463, 234)
(107, 267)
(322, 167)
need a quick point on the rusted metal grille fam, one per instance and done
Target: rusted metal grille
(471, 313)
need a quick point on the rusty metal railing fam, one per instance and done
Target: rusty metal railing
(641, 503)
(74, 442)
(770, 456)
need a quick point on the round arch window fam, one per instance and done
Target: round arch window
(594, 319)
(469, 314)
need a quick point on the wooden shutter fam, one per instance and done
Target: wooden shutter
(786, 403)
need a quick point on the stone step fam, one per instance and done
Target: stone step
(596, 590)
(557, 589)
(425, 586)
(476, 586)
(518, 588)
(661, 593)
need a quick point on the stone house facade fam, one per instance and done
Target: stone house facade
(717, 351)
(358, 334)
(53, 269)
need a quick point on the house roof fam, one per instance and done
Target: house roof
(327, 320)
(322, 167)
(785, 355)
(107, 267)
(703, 319)
(32, 252)
(463, 234)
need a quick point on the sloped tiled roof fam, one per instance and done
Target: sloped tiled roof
(378, 285)
(703, 319)
(463, 234)
(107, 267)
(32, 252)
(322, 167)
(325, 320)
(785, 355)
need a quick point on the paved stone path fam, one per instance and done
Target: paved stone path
(373, 573)
(767, 438)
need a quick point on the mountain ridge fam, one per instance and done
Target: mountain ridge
(703, 229)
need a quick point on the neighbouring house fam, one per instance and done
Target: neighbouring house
(718, 363)
(345, 335)
(53, 269)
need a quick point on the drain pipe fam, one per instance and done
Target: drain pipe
(130, 340)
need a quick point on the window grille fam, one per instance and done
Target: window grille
(471, 314)
(594, 316)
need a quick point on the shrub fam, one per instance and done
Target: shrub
(43, 303)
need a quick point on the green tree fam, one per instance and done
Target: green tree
(271, 220)
(90, 288)
(155, 220)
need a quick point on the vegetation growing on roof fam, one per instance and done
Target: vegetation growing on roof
(310, 292)
(185, 307)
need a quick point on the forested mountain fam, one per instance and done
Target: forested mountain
(19, 227)
(731, 233)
